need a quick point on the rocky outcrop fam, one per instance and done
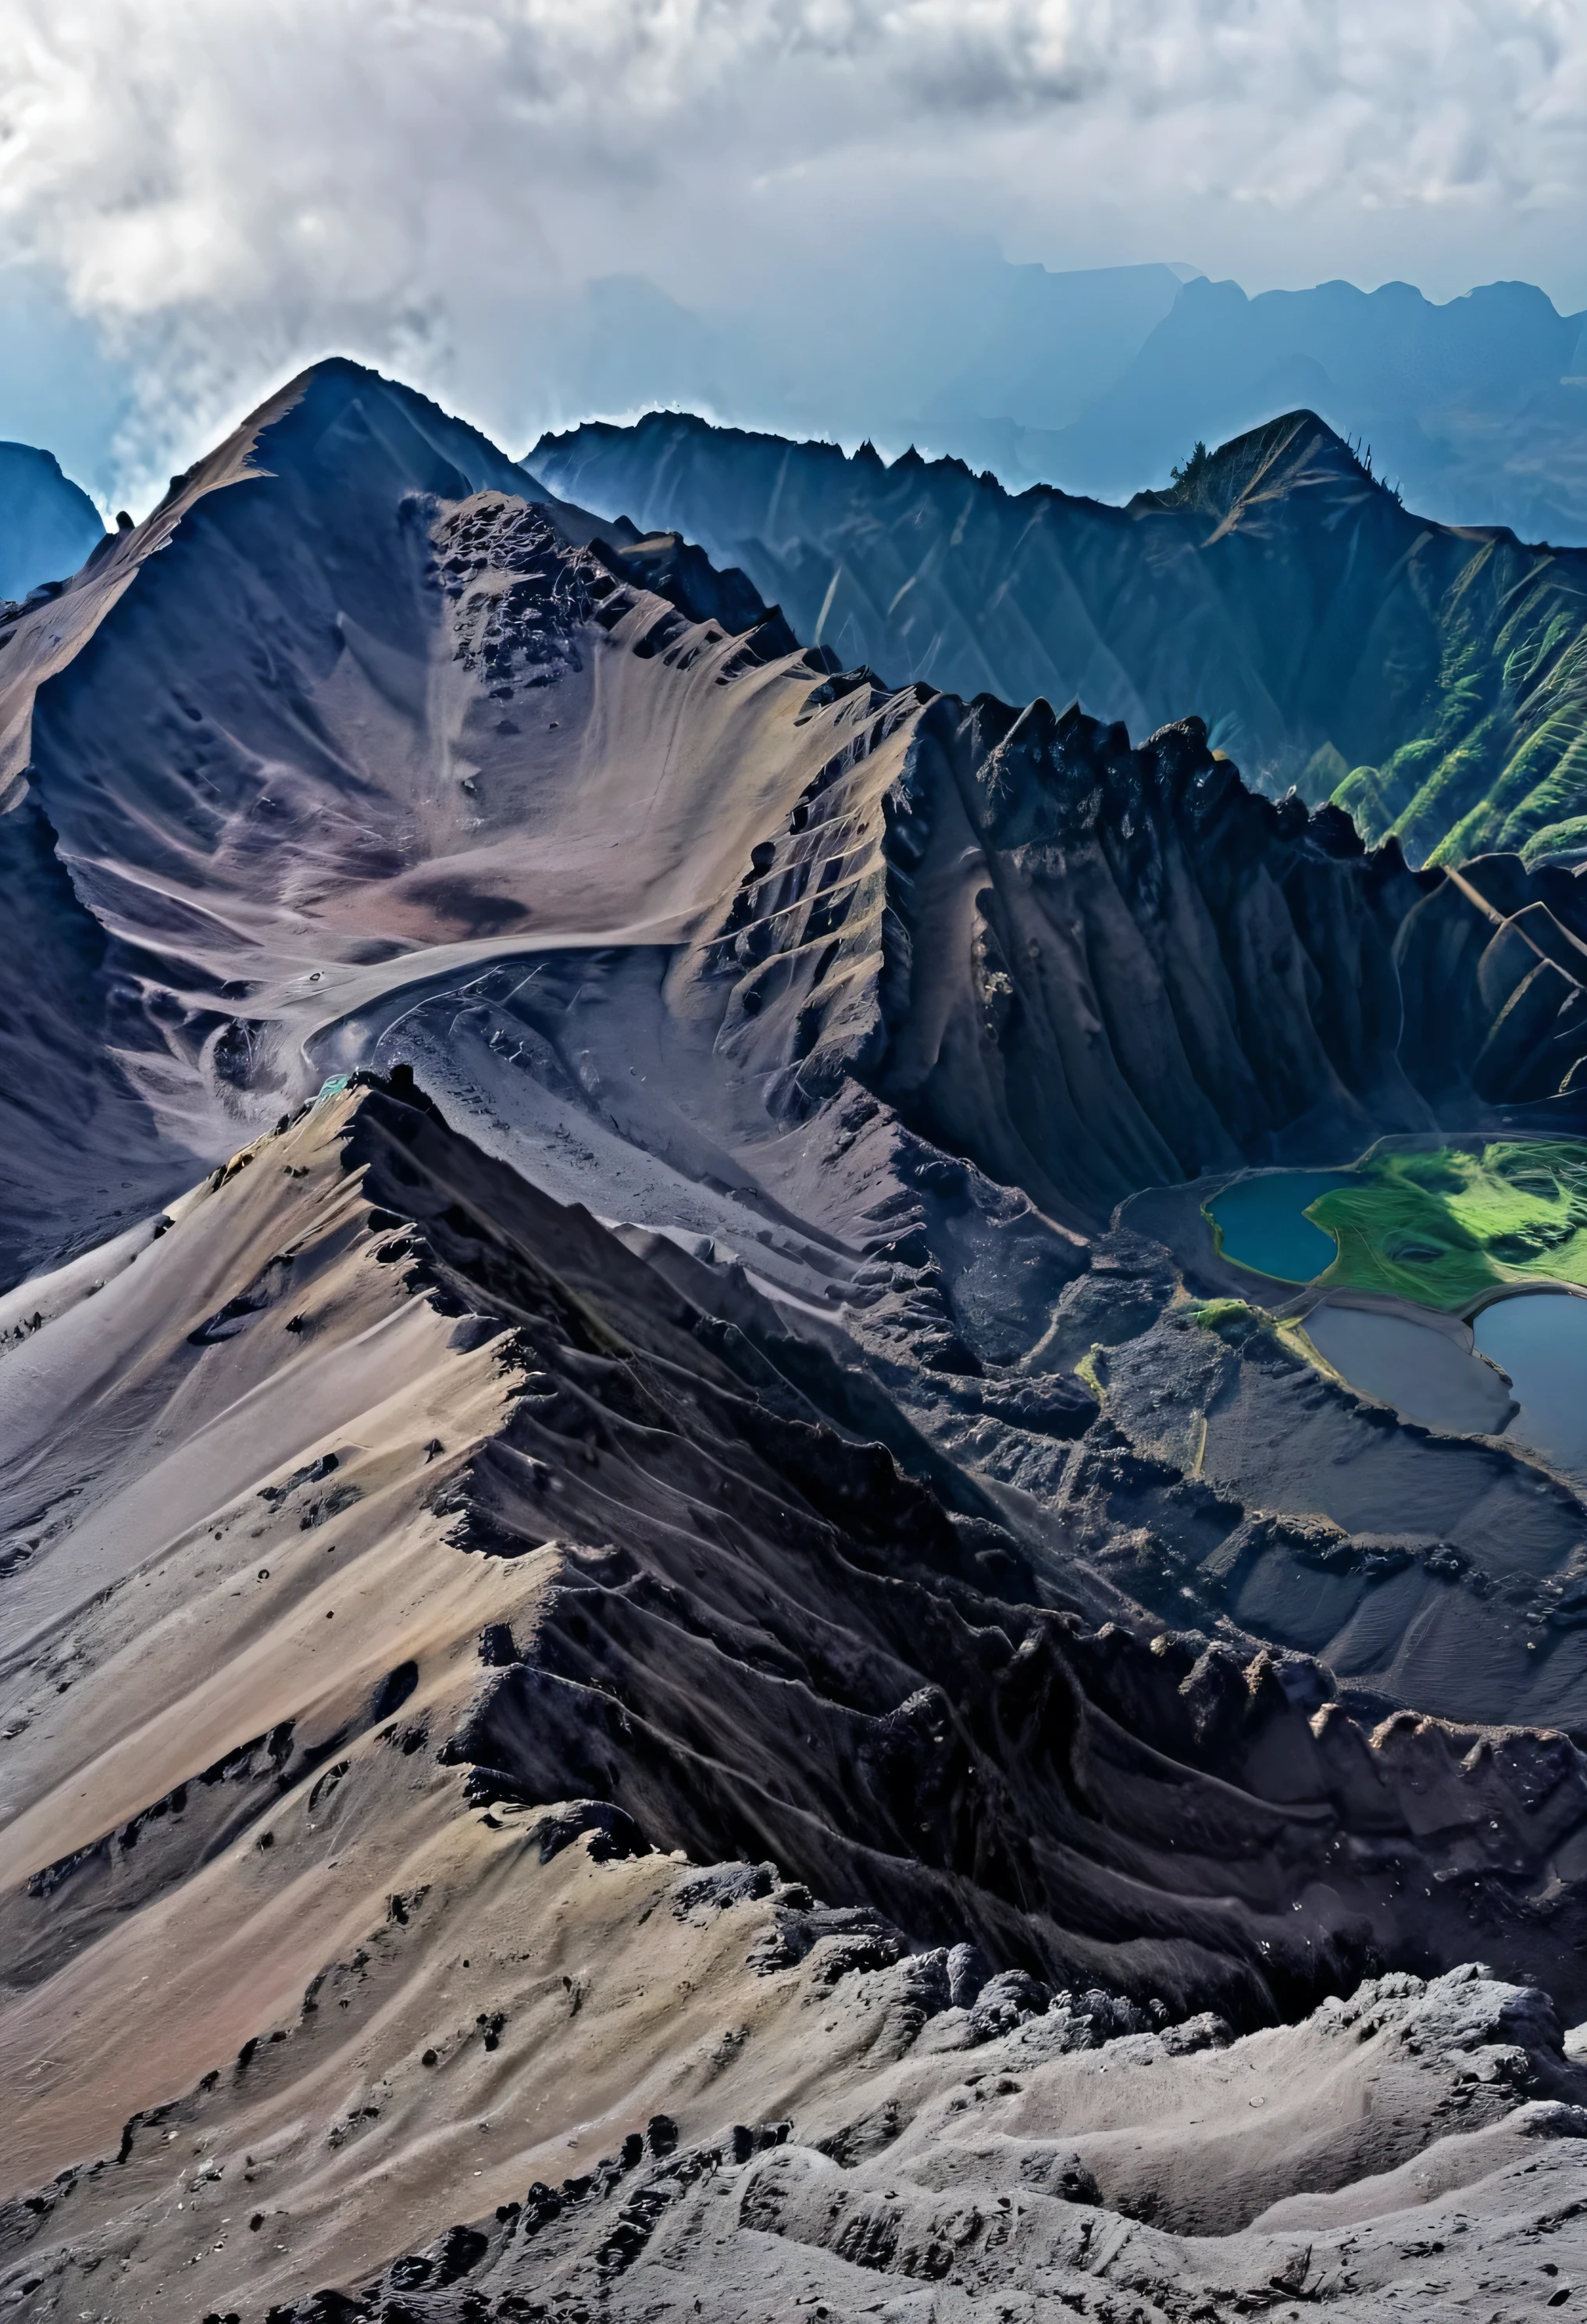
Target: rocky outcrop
(1044, 2169)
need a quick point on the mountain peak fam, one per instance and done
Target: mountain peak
(1296, 453)
(327, 412)
(1259, 590)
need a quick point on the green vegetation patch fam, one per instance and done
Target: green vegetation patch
(1569, 837)
(1220, 1315)
(1496, 758)
(1442, 1229)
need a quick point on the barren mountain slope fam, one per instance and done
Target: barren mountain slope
(269, 733)
(335, 732)
(835, 932)
(381, 1614)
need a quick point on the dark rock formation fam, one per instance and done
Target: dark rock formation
(1091, 968)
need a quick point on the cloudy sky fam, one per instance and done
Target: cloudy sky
(196, 195)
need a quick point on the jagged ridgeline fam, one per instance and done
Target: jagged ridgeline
(1090, 967)
(401, 1565)
(1431, 679)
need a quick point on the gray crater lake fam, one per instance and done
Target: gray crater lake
(1262, 1225)
(1426, 1374)
(1540, 1339)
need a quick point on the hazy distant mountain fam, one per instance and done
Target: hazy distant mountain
(47, 524)
(1030, 351)
(1278, 591)
(1101, 381)
(1098, 380)
(1477, 409)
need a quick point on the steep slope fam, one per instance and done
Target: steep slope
(1089, 968)
(1277, 591)
(349, 1588)
(82, 1151)
(47, 524)
(275, 751)
(891, 997)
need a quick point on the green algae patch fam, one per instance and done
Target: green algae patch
(1445, 1229)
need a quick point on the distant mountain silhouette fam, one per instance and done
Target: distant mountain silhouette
(1477, 409)
(1099, 380)
(47, 524)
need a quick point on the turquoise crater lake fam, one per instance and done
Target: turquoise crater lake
(1262, 1225)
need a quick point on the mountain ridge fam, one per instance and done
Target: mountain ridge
(1469, 404)
(612, 1578)
(339, 789)
(1430, 677)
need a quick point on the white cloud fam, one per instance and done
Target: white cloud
(227, 186)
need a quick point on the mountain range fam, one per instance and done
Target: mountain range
(1430, 679)
(678, 1642)
(1099, 380)
(1474, 407)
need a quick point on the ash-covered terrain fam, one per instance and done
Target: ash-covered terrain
(678, 1642)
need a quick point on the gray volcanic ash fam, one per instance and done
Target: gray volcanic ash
(656, 1663)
